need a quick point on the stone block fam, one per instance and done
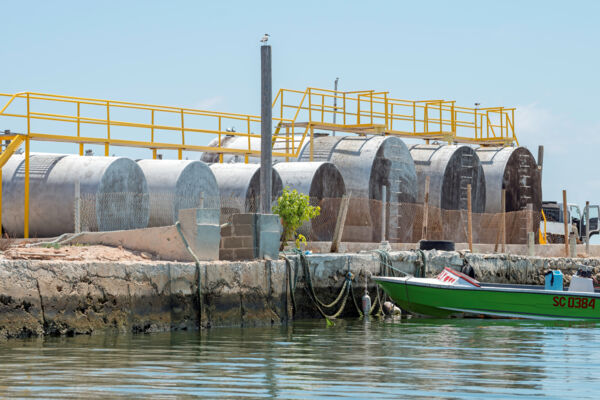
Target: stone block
(244, 230)
(245, 254)
(243, 219)
(226, 254)
(226, 230)
(235, 242)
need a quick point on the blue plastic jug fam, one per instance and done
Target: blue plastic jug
(554, 280)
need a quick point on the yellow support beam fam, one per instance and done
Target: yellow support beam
(26, 199)
(14, 144)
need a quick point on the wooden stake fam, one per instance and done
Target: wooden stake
(425, 209)
(339, 225)
(497, 240)
(469, 218)
(503, 205)
(529, 234)
(566, 223)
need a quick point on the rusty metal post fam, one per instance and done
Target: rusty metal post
(266, 156)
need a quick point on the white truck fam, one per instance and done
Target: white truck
(552, 224)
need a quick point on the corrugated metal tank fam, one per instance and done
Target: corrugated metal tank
(324, 184)
(174, 185)
(450, 169)
(239, 187)
(114, 194)
(367, 164)
(515, 170)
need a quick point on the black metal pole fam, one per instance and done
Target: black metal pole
(266, 157)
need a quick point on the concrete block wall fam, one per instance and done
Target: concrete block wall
(250, 236)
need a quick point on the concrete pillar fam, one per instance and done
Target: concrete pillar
(266, 157)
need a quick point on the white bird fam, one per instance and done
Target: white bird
(265, 38)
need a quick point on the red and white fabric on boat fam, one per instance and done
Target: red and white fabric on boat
(455, 278)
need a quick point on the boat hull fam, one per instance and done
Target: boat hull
(420, 296)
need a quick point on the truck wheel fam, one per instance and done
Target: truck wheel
(446, 245)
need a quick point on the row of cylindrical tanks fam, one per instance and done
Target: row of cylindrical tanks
(121, 193)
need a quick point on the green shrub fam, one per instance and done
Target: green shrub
(294, 209)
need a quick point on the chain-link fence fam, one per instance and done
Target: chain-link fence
(367, 220)
(126, 210)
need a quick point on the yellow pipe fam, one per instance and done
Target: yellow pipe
(26, 199)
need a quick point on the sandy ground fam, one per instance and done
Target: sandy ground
(73, 253)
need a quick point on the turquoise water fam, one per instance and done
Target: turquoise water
(354, 359)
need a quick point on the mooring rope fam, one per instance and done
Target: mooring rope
(340, 299)
(292, 281)
(309, 281)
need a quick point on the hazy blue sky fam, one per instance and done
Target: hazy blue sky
(540, 56)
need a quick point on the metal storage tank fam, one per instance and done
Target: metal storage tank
(174, 185)
(239, 187)
(450, 169)
(240, 142)
(114, 194)
(367, 164)
(324, 184)
(515, 170)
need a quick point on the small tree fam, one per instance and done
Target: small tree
(294, 209)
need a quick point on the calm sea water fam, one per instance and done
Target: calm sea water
(354, 359)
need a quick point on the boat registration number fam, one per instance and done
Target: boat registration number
(574, 302)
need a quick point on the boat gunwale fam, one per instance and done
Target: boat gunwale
(486, 287)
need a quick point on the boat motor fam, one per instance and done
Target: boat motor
(582, 281)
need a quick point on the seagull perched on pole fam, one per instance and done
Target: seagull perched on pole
(265, 38)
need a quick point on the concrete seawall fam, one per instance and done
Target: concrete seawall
(65, 298)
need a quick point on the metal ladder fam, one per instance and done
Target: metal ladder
(466, 178)
(525, 195)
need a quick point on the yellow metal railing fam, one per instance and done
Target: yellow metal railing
(85, 112)
(370, 112)
(295, 113)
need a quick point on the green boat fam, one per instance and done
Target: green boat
(453, 294)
